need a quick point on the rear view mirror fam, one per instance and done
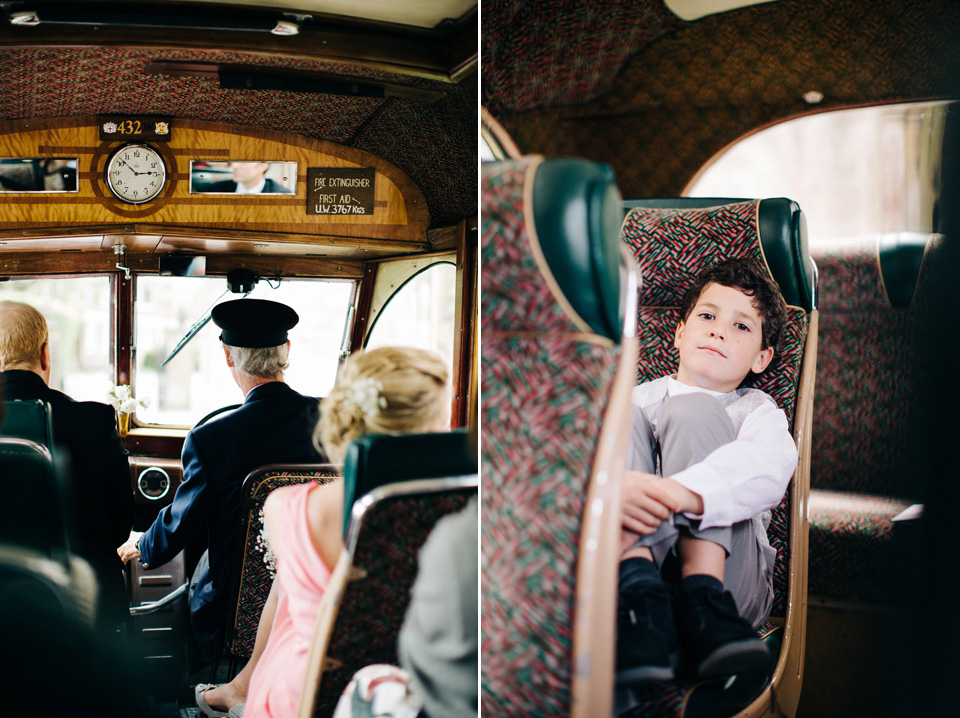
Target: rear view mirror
(182, 265)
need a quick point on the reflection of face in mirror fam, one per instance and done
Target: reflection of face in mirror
(250, 175)
(246, 177)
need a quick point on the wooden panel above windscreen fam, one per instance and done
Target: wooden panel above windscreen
(400, 212)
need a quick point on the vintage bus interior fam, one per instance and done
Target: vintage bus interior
(124, 132)
(672, 129)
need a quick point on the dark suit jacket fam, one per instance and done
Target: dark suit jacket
(231, 186)
(273, 425)
(101, 488)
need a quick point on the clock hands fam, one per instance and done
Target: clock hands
(130, 168)
(137, 174)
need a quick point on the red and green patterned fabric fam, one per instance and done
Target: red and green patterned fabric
(255, 576)
(865, 397)
(865, 379)
(545, 390)
(375, 599)
(853, 544)
(672, 246)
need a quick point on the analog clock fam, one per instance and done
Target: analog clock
(136, 173)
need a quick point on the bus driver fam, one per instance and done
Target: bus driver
(273, 425)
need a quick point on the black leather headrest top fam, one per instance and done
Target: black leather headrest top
(577, 213)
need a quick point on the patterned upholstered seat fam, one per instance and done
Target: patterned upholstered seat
(398, 488)
(254, 575)
(852, 545)
(557, 294)
(860, 476)
(672, 245)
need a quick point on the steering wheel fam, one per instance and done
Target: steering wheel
(216, 412)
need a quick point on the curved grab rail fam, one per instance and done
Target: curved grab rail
(155, 606)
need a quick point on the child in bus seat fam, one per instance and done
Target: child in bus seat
(393, 390)
(709, 459)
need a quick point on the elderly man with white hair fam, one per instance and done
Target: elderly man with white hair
(273, 425)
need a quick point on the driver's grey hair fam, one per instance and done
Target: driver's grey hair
(267, 362)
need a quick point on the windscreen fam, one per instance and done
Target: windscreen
(197, 380)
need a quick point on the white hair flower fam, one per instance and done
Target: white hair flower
(365, 395)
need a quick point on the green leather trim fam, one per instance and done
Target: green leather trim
(726, 697)
(783, 241)
(577, 212)
(29, 419)
(783, 236)
(377, 459)
(900, 255)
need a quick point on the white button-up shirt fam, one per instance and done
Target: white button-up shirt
(746, 477)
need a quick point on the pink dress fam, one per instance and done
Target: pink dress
(302, 577)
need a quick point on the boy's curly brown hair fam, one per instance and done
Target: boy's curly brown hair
(753, 280)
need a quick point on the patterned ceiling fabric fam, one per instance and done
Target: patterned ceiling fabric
(673, 142)
(444, 164)
(57, 82)
(692, 92)
(543, 53)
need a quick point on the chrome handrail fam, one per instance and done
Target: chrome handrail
(155, 606)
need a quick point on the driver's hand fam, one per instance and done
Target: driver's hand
(129, 549)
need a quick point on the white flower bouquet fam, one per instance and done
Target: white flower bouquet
(122, 399)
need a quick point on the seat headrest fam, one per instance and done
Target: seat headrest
(576, 206)
(780, 242)
(31, 511)
(29, 419)
(377, 459)
(900, 256)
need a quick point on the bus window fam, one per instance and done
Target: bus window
(855, 172)
(420, 314)
(77, 310)
(196, 381)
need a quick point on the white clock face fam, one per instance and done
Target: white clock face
(136, 173)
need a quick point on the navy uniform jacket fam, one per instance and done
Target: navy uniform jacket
(273, 425)
(101, 490)
(269, 187)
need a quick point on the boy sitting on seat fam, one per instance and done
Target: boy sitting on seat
(709, 459)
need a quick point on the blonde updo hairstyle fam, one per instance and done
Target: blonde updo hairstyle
(392, 390)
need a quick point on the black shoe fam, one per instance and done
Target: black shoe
(647, 648)
(716, 640)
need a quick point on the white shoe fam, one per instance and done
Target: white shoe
(202, 703)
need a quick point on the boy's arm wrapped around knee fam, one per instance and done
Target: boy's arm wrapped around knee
(649, 499)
